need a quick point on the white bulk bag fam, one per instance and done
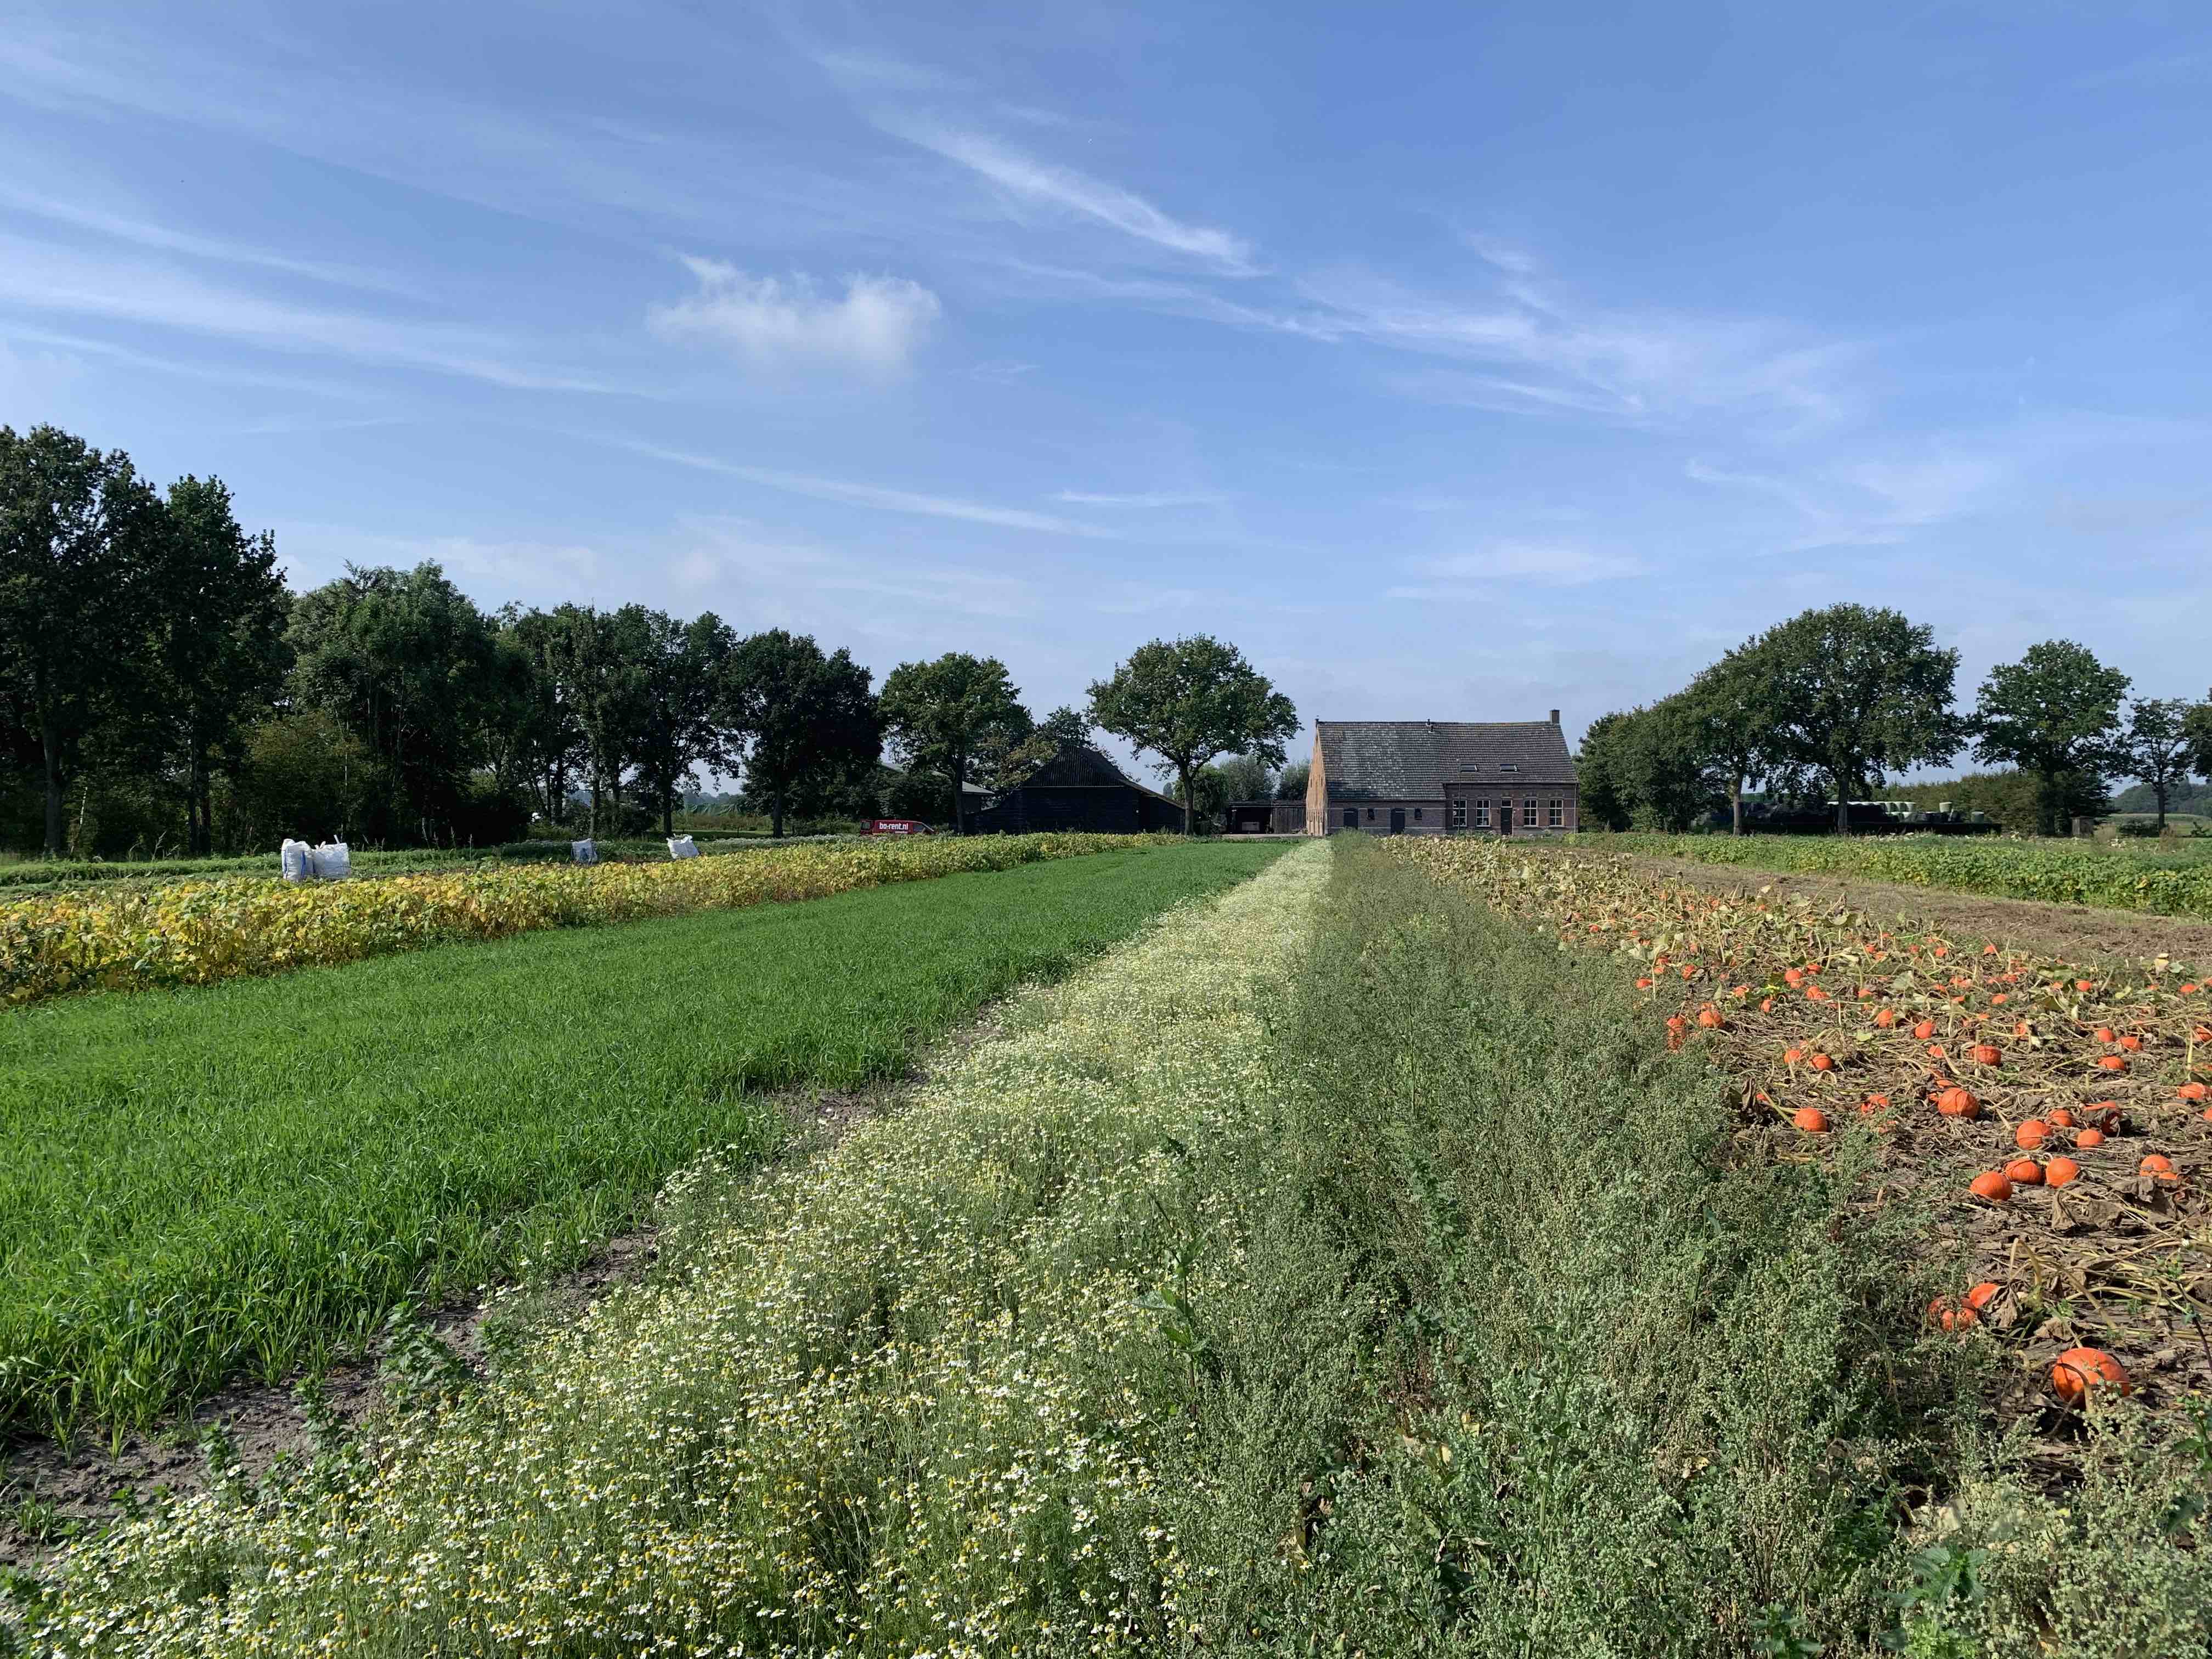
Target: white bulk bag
(297, 860)
(334, 862)
(586, 851)
(683, 847)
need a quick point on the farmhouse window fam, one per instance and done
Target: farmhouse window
(1553, 816)
(1459, 815)
(1482, 815)
(1371, 815)
(1529, 813)
(1417, 815)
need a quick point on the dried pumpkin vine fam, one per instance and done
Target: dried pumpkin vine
(2055, 1113)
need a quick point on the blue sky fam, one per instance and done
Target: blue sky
(1456, 361)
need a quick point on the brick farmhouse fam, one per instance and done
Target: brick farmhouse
(1441, 777)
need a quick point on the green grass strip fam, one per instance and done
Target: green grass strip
(237, 1180)
(2119, 877)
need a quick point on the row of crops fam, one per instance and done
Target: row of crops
(2061, 872)
(1423, 1247)
(43, 874)
(198, 933)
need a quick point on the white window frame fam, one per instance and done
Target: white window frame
(1528, 813)
(1555, 815)
(1459, 815)
(1482, 813)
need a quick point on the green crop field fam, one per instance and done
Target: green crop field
(241, 1179)
(2128, 875)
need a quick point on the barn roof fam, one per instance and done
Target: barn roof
(1079, 766)
(1417, 760)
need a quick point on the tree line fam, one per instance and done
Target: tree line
(1825, 707)
(161, 687)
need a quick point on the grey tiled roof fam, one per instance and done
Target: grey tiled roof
(1417, 760)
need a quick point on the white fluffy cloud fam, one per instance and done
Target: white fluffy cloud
(876, 327)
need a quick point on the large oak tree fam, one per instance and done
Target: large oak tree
(2055, 712)
(1188, 701)
(941, 713)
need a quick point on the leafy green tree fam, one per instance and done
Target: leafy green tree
(532, 740)
(1730, 710)
(1601, 771)
(76, 532)
(680, 676)
(2055, 711)
(1249, 777)
(803, 724)
(404, 662)
(1290, 785)
(598, 658)
(214, 647)
(1187, 701)
(1859, 692)
(2196, 728)
(2155, 748)
(940, 714)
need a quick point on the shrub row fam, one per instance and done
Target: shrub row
(195, 933)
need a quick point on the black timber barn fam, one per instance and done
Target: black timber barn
(1078, 788)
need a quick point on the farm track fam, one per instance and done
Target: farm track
(2077, 930)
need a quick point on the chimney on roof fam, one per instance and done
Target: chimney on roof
(1555, 717)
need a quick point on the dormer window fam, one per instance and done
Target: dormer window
(1470, 766)
(1507, 766)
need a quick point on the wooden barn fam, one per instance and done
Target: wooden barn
(1078, 788)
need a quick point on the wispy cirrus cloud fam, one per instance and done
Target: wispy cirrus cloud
(1477, 573)
(1876, 502)
(48, 279)
(852, 492)
(1046, 183)
(145, 233)
(1152, 498)
(875, 326)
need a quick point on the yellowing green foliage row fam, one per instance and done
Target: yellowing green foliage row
(2062, 872)
(195, 933)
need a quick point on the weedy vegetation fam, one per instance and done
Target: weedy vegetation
(2123, 877)
(242, 1180)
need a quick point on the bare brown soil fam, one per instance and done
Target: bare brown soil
(2072, 931)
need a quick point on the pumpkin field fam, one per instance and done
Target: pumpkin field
(1421, 1245)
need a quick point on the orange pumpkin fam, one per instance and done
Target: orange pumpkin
(1955, 1101)
(1822, 1063)
(2104, 1034)
(1926, 1030)
(1986, 1054)
(1811, 1119)
(1885, 1017)
(1993, 1185)
(2060, 1170)
(2089, 1138)
(2031, 1134)
(1982, 1294)
(2158, 1167)
(2112, 1062)
(2192, 1091)
(2024, 1172)
(2078, 1370)
(2062, 1119)
(2132, 1043)
(1791, 1056)
(1710, 1017)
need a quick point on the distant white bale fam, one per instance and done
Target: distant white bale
(586, 851)
(334, 862)
(297, 860)
(683, 847)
